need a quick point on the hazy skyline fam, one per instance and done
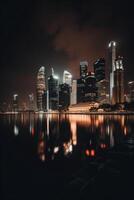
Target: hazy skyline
(60, 34)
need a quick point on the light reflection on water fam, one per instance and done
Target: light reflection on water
(65, 135)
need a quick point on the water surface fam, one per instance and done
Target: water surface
(40, 151)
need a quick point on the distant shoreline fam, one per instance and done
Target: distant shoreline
(70, 113)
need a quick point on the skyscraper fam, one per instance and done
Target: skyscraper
(31, 102)
(111, 66)
(99, 69)
(131, 91)
(53, 91)
(41, 88)
(64, 96)
(15, 103)
(74, 92)
(103, 91)
(101, 82)
(118, 90)
(67, 77)
(90, 94)
(80, 90)
(83, 69)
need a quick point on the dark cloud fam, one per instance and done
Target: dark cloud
(79, 42)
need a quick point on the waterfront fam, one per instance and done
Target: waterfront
(52, 155)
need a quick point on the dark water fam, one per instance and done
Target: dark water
(41, 153)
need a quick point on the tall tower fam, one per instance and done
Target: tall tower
(41, 88)
(67, 77)
(53, 91)
(74, 93)
(83, 69)
(99, 69)
(112, 58)
(101, 82)
(118, 90)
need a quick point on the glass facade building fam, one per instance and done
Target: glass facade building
(41, 88)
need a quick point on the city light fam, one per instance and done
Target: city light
(56, 77)
(81, 95)
(16, 130)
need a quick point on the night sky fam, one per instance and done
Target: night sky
(59, 33)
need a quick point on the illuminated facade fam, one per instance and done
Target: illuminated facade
(15, 103)
(67, 77)
(41, 88)
(83, 107)
(131, 91)
(111, 66)
(86, 88)
(83, 69)
(118, 90)
(90, 94)
(103, 91)
(53, 91)
(74, 92)
(99, 69)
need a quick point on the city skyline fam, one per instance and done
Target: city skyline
(101, 85)
(60, 33)
(61, 80)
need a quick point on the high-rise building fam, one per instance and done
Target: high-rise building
(90, 88)
(111, 66)
(64, 96)
(53, 91)
(99, 69)
(103, 91)
(74, 92)
(83, 69)
(41, 88)
(118, 90)
(31, 102)
(131, 91)
(80, 90)
(15, 103)
(87, 89)
(67, 77)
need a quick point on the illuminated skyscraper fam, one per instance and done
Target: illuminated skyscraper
(53, 91)
(99, 69)
(15, 103)
(131, 91)
(83, 69)
(111, 63)
(41, 88)
(103, 91)
(74, 92)
(90, 91)
(67, 78)
(118, 90)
